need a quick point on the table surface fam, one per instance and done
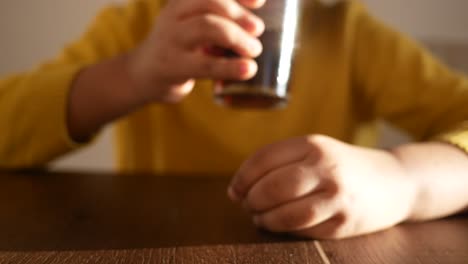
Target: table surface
(109, 218)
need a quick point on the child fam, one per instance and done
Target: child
(137, 65)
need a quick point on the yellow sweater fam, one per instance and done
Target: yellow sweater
(350, 70)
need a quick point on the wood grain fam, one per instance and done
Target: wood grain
(444, 241)
(294, 253)
(103, 218)
(289, 252)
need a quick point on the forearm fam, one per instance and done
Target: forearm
(440, 175)
(101, 93)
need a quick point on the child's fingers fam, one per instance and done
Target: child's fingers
(298, 215)
(282, 186)
(267, 159)
(330, 229)
(229, 9)
(198, 65)
(218, 31)
(253, 4)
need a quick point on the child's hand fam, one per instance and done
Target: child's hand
(319, 187)
(178, 49)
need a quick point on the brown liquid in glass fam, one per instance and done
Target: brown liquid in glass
(263, 90)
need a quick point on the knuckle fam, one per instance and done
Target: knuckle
(207, 66)
(205, 22)
(317, 148)
(316, 139)
(211, 3)
(308, 216)
(296, 179)
(216, 29)
(204, 25)
(343, 218)
(284, 186)
(337, 186)
(228, 8)
(227, 36)
(298, 219)
(236, 7)
(338, 230)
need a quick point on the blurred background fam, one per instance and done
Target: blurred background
(33, 31)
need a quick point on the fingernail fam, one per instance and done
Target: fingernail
(255, 3)
(249, 25)
(256, 46)
(255, 27)
(260, 29)
(244, 69)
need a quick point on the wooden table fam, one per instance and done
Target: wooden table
(103, 218)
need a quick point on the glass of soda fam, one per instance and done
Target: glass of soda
(270, 86)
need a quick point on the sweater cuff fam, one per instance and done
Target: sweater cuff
(54, 111)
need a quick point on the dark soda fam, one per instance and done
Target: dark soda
(269, 88)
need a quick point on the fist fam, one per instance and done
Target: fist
(182, 46)
(319, 187)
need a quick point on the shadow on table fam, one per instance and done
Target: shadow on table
(43, 211)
